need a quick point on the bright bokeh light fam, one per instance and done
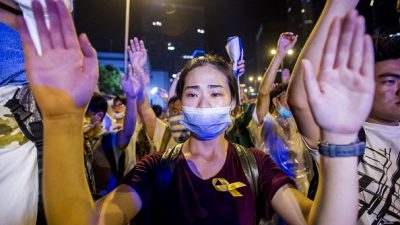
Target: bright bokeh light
(170, 46)
(273, 51)
(290, 52)
(200, 31)
(251, 78)
(259, 78)
(154, 90)
(157, 23)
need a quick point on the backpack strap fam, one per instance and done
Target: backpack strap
(249, 166)
(250, 169)
(167, 167)
(30, 123)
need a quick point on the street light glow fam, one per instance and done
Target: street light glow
(290, 52)
(157, 23)
(273, 51)
(259, 78)
(200, 31)
(251, 78)
(170, 46)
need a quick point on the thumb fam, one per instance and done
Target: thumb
(89, 53)
(312, 88)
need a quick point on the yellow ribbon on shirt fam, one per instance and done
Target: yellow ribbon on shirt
(226, 186)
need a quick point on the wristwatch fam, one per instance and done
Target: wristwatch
(332, 150)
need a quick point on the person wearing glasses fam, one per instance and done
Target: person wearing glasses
(378, 167)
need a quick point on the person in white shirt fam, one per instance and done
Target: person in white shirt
(378, 168)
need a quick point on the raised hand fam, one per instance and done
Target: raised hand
(64, 76)
(138, 58)
(137, 54)
(286, 42)
(132, 85)
(341, 98)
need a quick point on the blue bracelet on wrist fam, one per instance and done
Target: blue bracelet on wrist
(350, 150)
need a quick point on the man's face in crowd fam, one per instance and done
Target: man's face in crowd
(91, 120)
(386, 107)
(118, 106)
(175, 107)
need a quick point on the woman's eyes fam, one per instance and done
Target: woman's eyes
(194, 95)
(216, 94)
(191, 95)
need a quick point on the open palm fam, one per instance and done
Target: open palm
(137, 54)
(342, 96)
(64, 76)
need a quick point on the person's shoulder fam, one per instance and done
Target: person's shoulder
(149, 162)
(152, 158)
(259, 154)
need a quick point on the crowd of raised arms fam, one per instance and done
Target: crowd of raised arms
(320, 147)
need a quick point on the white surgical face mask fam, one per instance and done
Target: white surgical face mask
(118, 116)
(26, 7)
(206, 123)
(178, 131)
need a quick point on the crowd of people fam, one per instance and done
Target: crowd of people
(321, 147)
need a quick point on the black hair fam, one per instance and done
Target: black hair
(98, 104)
(278, 90)
(157, 110)
(172, 100)
(219, 63)
(119, 98)
(387, 46)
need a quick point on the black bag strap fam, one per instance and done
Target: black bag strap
(250, 169)
(35, 134)
(249, 166)
(167, 167)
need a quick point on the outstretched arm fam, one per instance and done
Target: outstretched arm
(312, 51)
(286, 41)
(340, 101)
(131, 85)
(138, 57)
(62, 81)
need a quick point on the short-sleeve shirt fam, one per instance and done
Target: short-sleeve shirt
(191, 200)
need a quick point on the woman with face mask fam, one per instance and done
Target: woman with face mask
(208, 185)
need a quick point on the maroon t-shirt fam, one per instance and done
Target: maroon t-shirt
(192, 200)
